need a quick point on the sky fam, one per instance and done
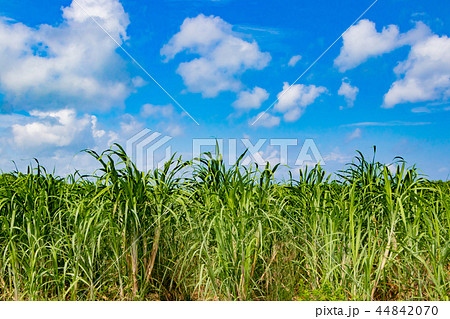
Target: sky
(85, 74)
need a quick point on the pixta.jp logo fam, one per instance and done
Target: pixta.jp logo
(150, 150)
(144, 149)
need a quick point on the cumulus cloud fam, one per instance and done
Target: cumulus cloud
(265, 120)
(223, 55)
(348, 91)
(424, 76)
(55, 129)
(74, 62)
(56, 138)
(293, 61)
(362, 41)
(292, 101)
(251, 99)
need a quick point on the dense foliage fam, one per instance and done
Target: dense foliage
(201, 231)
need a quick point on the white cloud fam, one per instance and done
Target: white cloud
(294, 114)
(293, 61)
(362, 41)
(392, 168)
(174, 130)
(349, 92)
(337, 156)
(54, 129)
(251, 99)
(265, 120)
(390, 123)
(357, 133)
(425, 75)
(56, 138)
(96, 133)
(292, 101)
(443, 170)
(7, 119)
(129, 125)
(166, 115)
(74, 62)
(269, 155)
(223, 55)
(421, 109)
(109, 12)
(150, 110)
(138, 82)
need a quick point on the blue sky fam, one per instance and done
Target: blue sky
(65, 85)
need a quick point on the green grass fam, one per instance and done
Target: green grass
(201, 231)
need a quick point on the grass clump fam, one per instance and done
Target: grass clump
(199, 230)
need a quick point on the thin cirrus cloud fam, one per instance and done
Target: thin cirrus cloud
(74, 62)
(431, 108)
(421, 109)
(222, 55)
(389, 123)
(293, 100)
